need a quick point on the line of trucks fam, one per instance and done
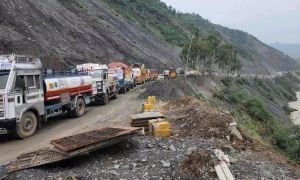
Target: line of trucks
(30, 95)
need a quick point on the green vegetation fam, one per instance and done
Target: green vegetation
(251, 101)
(155, 16)
(209, 52)
(257, 110)
(178, 28)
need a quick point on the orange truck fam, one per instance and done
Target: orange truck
(140, 73)
(153, 74)
(172, 74)
(125, 80)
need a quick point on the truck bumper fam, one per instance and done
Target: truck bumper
(99, 96)
(7, 125)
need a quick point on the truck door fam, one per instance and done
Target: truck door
(29, 93)
(32, 88)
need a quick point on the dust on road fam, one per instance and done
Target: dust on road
(116, 113)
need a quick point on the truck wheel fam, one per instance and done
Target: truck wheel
(116, 95)
(27, 125)
(105, 99)
(79, 109)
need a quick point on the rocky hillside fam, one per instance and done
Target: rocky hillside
(73, 31)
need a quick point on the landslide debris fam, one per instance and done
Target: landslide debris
(166, 89)
(198, 164)
(192, 117)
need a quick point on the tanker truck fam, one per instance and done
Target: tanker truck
(125, 78)
(105, 85)
(28, 97)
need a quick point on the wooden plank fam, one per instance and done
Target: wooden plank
(147, 115)
(36, 158)
(226, 171)
(220, 172)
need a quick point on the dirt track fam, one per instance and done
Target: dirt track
(116, 113)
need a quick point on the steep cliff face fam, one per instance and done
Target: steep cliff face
(68, 32)
(73, 31)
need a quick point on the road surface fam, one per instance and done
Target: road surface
(116, 113)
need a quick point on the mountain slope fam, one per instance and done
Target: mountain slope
(176, 28)
(292, 50)
(75, 31)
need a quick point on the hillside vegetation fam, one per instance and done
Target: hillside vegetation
(261, 108)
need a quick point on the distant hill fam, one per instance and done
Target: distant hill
(292, 50)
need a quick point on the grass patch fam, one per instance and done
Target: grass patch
(257, 110)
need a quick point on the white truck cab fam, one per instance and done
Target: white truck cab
(21, 94)
(28, 96)
(103, 87)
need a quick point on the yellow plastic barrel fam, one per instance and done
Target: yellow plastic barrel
(148, 107)
(161, 129)
(151, 99)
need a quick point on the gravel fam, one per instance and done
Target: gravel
(145, 157)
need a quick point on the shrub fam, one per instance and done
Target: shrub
(242, 81)
(257, 110)
(287, 142)
(227, 81)
(234, 95)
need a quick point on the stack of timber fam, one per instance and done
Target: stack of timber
(142, 120)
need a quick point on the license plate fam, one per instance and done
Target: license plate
(3, 131)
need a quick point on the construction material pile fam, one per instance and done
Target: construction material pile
(198, 164)
(166, 89)
(153, 122)
(191, 117)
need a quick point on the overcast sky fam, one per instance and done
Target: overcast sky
(269, 20)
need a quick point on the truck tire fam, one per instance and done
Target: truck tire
(27, 126)
(105, 98)
(115, 96)
(79, 109)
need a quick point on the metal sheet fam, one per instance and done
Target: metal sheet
(78, 141)
(53, 155)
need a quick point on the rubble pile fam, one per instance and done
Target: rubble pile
(166, 89)
(198, 164)
(190, 117)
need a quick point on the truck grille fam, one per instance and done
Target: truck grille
(1, 106)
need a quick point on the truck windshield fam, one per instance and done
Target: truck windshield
(3, 79)
(97, 74)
